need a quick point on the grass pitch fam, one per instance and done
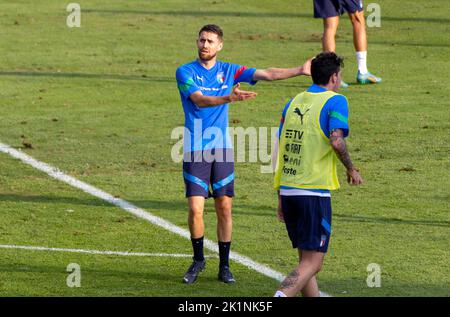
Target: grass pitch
(100, 102)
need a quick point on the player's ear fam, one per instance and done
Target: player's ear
(334, 78)
(220, 45)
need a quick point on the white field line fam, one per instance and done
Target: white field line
(138, 212)
(35, 248)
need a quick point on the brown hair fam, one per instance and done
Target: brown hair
(212, 28)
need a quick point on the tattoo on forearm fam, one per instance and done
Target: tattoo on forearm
(291, 280)
(341, 150)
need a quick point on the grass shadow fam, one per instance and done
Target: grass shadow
(241, 209)
(356, 287)
(89, 76)
(291, 15)
(51, 200)
(393, 221)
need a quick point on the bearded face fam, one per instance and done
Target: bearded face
(209, 44)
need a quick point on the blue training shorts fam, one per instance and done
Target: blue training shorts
(332, 8)
(211, 169)
(308, 221)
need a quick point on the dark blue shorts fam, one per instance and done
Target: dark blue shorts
(308, 221)
(205, 170)
(332, 8)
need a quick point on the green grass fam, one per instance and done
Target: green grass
(100, 102)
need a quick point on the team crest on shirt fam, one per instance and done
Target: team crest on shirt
(220, 78)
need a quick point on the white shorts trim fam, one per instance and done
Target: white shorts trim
(302, 192)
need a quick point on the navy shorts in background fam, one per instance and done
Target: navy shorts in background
(332, 8)
(308, 221)
(210, 168)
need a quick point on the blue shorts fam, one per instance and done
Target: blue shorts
(332, 8)
(308, 221)
(211, 168)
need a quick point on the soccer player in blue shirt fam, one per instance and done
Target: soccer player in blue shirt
(206, 87)
(312, 134)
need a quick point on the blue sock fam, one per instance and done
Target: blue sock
(197, 245)
(224, 253)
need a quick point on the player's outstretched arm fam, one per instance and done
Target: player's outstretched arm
(211, 101)
(340, 148)
(271, 74)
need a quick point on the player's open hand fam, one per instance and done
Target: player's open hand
(353, 177)
(239, 95)
(306, 68)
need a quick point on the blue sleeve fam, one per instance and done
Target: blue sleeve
(243, 74)
(185, 82)
(336, 115)
(283, 116)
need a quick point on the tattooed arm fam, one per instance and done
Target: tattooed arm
(338, 143)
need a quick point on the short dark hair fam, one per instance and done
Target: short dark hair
(324, 65)
(212, 28)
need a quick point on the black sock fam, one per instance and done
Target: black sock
(197, 245)
(224, 253)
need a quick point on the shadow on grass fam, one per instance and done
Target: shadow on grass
(188, 13)
(167, 279)
(26, 268)
(398, 44)
(163, 278)
(89, 76)
(291, 15)
(280, 15)
(393, 221)
(241, 209)
(172, 80)
(52, 200)
(356, 286)
(166, 79)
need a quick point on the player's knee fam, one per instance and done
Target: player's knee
(331, 26)
(357, 19)
(330, 30)
(318, 267)
(224, 211)
(223, 204)
(196, 211)
(314, 265)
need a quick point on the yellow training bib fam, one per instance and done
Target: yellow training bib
(306, 159)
